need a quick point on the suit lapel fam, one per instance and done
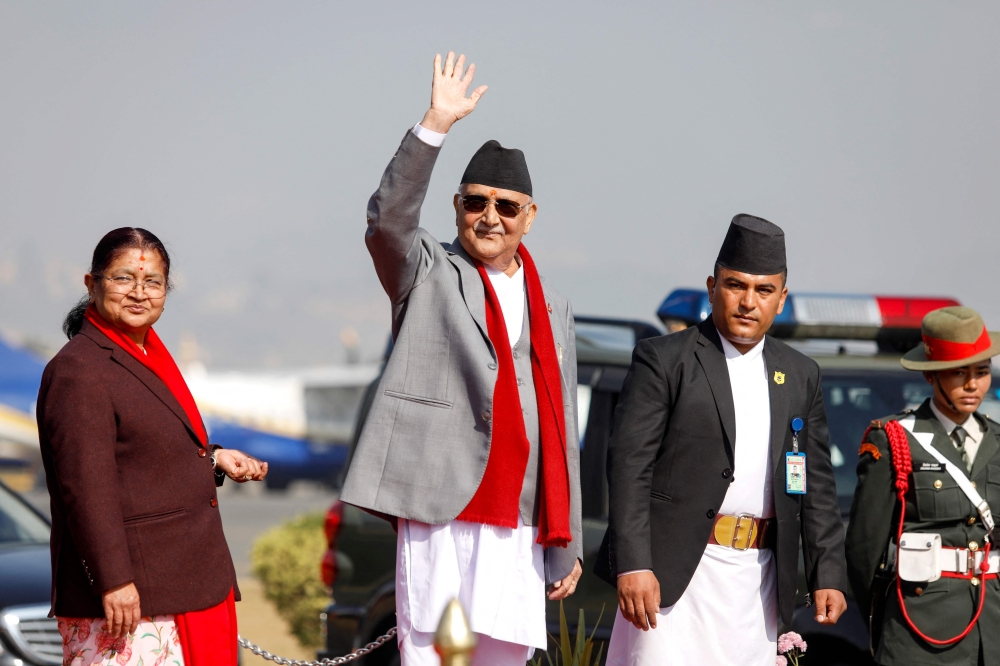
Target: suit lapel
(143, 374)
(713, 361)
(927, 422)
(778, 394)
(988, 448)
(472, 285)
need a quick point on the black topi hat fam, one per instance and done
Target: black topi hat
(753, 245)
(496, 166)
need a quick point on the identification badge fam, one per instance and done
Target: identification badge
(931, 467)
(795, 473)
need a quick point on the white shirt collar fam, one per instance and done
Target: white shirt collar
(732, 352)
(971, 424)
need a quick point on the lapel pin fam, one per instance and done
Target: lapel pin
(779, 377)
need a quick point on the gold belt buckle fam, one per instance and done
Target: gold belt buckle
(750, 531)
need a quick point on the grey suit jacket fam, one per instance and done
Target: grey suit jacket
(424, 447)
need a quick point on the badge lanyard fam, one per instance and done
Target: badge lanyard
(795, 463)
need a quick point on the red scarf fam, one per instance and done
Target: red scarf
(497, 500)
(208, 636)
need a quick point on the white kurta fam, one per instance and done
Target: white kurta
(728, 615)
(497, 573)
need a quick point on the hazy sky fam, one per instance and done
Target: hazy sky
(249, 136)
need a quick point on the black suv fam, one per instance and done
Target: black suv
(27, 634)
(862, 380)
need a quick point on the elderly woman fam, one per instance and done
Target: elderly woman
(141, 573)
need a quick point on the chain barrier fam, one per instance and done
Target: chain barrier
(336, 661)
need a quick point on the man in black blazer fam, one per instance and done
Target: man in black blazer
(718, 464)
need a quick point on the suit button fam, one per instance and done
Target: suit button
(971, 520)
(938, 484)
(726, 473)
(974, 486)
(919, 591)
(492, 366)
(710, 513)
(486, 416)
(214, 502)
(202, 453)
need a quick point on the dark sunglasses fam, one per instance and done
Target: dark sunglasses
(505, 207)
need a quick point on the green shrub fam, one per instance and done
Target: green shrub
(286, 559)
(569, 654)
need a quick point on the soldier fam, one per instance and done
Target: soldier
(928, 597)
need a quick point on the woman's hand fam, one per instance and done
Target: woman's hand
(121, 609)
(240, 467)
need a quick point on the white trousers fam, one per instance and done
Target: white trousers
(496, 573)
(727, 616)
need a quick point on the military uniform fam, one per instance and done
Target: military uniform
(934, 504)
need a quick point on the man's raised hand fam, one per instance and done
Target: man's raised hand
(448, 100)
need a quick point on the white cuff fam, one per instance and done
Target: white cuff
(430, 137)
(625, 573)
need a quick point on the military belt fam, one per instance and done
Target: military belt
(966, 563)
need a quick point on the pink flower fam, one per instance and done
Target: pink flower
(790, 641)
(780, 661)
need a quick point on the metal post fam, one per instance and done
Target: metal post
(454, 640)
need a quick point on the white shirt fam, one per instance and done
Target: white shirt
(510, 293)
(430, 137)
(751, 489)
(971, 426)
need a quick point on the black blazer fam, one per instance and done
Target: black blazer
(132, 490)
(670, 462)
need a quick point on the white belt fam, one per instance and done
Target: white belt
(960, 560)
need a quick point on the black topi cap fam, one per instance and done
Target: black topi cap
(753, 245)
(496, 166)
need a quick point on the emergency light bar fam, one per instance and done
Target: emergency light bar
(892, 321)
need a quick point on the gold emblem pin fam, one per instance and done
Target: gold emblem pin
(779, 377)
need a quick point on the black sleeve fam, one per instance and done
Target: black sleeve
(871, 516)
(822, 528)
(639, 427)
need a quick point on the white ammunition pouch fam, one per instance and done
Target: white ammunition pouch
(918, 557)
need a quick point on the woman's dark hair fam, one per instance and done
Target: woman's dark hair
(113, 244)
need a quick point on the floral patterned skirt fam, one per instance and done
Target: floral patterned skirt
(86, 642)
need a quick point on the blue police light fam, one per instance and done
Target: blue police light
(688, 306)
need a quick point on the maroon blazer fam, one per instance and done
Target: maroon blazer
(133, 492)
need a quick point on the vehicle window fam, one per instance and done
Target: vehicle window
(853, 399)
(606, 336)
(18, 523)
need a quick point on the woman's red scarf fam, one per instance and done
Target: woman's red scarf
(208, 637)
(497, 500)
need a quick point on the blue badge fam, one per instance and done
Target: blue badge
(795, 463)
